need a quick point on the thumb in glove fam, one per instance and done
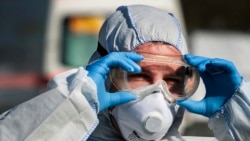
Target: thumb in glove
(99, 69)
(221, 80)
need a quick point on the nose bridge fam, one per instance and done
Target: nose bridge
(157, 76)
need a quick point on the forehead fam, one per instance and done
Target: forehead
(157, 48)
(159, 54)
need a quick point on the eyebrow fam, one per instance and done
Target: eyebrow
(167, 68)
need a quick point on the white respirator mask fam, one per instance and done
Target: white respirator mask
(147, 118)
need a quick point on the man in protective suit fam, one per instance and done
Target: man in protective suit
(135, 88)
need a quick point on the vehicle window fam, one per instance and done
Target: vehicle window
(80, 36)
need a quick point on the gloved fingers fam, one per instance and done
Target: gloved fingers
(215, 65)
(227, 71)
(120, 98)
(197, 61)
(218, 66)
(124, 60)
(128, 65)
(197, 107)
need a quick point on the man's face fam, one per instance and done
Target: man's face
(153, 72)
(161, 62)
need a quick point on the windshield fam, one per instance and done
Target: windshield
(80, 37)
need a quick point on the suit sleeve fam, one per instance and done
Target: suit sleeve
(232, 122)
(67, 111)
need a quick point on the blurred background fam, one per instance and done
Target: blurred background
(41, 38)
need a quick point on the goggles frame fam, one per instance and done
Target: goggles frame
(175, 60)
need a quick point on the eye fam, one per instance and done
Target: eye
(175, 84)
(136, 80)
(138, 77)
(173, 79)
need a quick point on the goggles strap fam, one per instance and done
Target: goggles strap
(101, 50)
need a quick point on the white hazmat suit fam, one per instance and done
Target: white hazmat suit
(68, 110)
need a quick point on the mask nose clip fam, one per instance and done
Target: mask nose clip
(160, 86)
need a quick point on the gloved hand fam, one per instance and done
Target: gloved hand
(221, 80)
(99, 69)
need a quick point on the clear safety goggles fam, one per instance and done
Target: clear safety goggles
(178, 80)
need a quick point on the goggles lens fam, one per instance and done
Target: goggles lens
(181, 79)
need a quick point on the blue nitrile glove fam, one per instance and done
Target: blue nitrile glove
(221, 80)
(99, 69)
